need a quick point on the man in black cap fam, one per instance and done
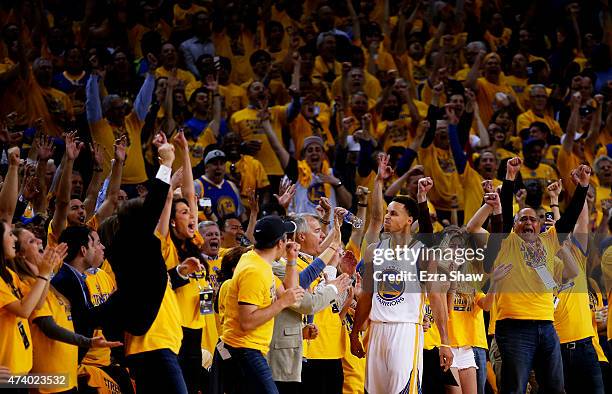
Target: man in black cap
(254, 297)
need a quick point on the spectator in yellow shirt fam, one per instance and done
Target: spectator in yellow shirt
(169, 66)
(538, 99)
(254, 297)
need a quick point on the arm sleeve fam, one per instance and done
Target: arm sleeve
(93, 106)
(311, 273)
(463, 128)
(432, 117)
(456, 148)
(313, 303)
(566, 222)
(145, 95)
(50, 328)
(175, 279)
(406, 161)
(364, 166)
(507, 194)
(293, 110)
(292, 169)
(425, 225)
(493, 243)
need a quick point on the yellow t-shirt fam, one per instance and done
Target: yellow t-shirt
(472, 190)
(188, 296)
(246, 123)
(606, 270)
(595, 303)
(105, 134)
(182, 75)
(329, 344)
(300, 128)
(495, 41)
(164, 333)
(52, 240)
(543, 173)
(371, 87)
(51, 356)
(519, 86)
(234, 96)
(466, 322)
(432, 335)
(222, 298)
(440, 166)
(526, 118)
(252, 176)
(181, 16)
(241, 68)
(566, 162)
(572, 311)
(16, 340)
(522, 294)
(395, 133)
(485, 96)
(100, 286)
(253, 283)
(321, 70)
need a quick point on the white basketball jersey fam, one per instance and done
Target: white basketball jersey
(398, 296)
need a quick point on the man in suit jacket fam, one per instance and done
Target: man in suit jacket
(285, 355)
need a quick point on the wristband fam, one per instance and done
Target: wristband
(554, 205)
(362, 205)
(325, 222)
(444, 345)
(42, 277)
(291, 263)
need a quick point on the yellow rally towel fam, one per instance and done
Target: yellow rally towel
(99, 380)
(305, 175)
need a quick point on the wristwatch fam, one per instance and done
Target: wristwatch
(338, 184)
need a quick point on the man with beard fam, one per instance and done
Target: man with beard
(524, 328)
(538, 97)
(69, 209)
(224, 194)
(245, 171)
(248, 123)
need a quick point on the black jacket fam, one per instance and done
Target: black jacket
(138, 264)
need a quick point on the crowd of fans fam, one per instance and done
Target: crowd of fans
(194, 194)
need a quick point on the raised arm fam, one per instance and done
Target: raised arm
(376, 220)
(364, 304)
(497, 235)
(212, 84)
(112, 193)
(145, 95)
(62, 200)
(279, 149)
(591, 140)
(354, 20)
(97, 179)
(425, 225)
(458, 154)
(44, 152)
(507, 193)
(581, 176)
(93, 106)
(472, 77)
(572, 123)
(10, 187)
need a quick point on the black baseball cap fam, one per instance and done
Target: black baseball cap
(270, 229)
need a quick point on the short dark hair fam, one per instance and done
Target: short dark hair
(542, 126)
(75, 237)
(409, 204)
(225, 219)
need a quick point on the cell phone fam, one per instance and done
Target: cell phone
(549, 216)
(205, 202)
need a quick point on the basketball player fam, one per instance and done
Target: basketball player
(395, 306)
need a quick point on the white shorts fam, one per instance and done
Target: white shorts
(463, 358)
(394, 358)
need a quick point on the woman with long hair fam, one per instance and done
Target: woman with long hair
(180, 240)
(466, 303)
(18, 301)
(54, 341)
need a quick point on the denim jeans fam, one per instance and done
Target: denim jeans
(480, 355)
(525, 345)
(245, 372)
(157, 371)
(580, 368)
